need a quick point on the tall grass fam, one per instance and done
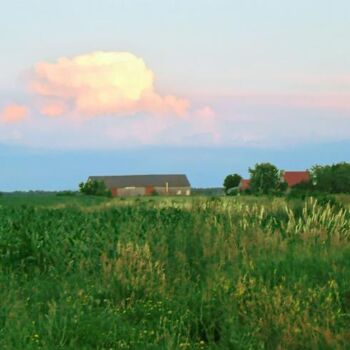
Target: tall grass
(175, 274)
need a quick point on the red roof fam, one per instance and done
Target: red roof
(244, 184)
(295, 177)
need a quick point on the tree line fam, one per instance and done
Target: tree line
(266, 178)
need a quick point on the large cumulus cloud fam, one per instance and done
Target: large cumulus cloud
(100, 83)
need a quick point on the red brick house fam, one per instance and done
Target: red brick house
(244, 185)
(292, 178)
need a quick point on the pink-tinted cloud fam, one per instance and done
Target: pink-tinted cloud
(102, 83)
(205, 112)
(335, 101)
(14, 113)
(327, 101)
(330, 81)
(165, 130)
(53, 108)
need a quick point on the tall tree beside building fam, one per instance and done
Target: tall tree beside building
(94, 188)
(231, 182)
(265, 178)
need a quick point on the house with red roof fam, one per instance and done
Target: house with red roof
(244, 185)
(292, 178)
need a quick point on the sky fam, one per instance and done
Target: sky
(202, 87)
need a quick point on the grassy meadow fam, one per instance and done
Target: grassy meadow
(174, 273)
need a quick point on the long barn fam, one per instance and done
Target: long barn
(141, 185)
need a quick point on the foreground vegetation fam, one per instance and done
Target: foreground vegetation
(167, 273)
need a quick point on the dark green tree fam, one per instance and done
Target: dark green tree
(94, 188)
(231, 182)
(331, 178)
(265, 178)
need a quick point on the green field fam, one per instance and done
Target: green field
(174, 273)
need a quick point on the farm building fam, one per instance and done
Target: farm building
(244, 185)
(292, 178)
(141, 185)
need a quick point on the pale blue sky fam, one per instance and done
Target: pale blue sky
(228, 42)
(273, 74)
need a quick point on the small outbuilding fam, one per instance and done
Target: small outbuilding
(143, 185)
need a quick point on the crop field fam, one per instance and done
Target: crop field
(174, 273)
